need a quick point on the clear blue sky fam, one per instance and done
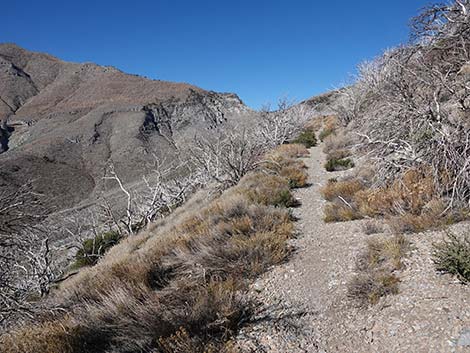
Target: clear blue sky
(260, 50)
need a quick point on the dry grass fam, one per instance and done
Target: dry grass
(284, 162)
(338, 212)
(341, 196)
(330, 126)
(58, 336)
(179, 287)
(377, 267)
(409, 204)
(372, 227)
(345, 189)
(408, 194)
(288, 151)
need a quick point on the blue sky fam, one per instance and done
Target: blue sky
(261, 50)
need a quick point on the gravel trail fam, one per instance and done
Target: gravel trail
(305, 307)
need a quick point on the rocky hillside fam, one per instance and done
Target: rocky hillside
(62, 123)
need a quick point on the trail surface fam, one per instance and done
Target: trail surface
(305, 307)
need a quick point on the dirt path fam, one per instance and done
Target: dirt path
(306, 308)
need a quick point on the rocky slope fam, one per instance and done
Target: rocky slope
(62, 123)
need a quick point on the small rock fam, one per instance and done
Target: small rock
(464, 339)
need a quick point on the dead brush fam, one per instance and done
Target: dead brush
(294, 171)
(317, 123)
(284, 162)
(435, 214)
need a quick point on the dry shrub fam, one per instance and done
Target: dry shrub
(306, 138)
(284, 162)
(63, 335)
(408, 194)
(296, 177)
(435, 214)
(386, 252)
(338, 145)
(318, 122)
(377, 266)
(452, 255)
(182, 342)
(338, 212)
(327, 131)
(346, 189)
(409, 204)
(288, 151)
(267, 190)
(339, 154)
(368, 288)
(372, 227)
(330, 126)
(333, 165)
(182, 288)
(341, 196)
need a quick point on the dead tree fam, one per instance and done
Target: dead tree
(415, 102)
(283, 124)
(226, 158)
(27, 271)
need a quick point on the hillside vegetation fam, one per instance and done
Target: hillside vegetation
(410, 107)
(177, 284)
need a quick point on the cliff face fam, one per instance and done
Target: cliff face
(63, 123)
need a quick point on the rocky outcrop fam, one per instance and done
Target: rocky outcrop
(72, 120)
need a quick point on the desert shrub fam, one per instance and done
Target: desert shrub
(327, 131)
(372, 227)
(338, 164)
(306, 138)
(346, 189)
(408, 194)
(93, 249)
(452, 256)
(267, 190)
(376, 268)
(340, 142)
(386, 252)
(339, 212)
(338, 154)
(283, 161)
(296, 177)
(60, 336)
(368, 288)
(288, 151)
(436, 66)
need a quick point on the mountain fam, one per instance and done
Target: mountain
(62, 124)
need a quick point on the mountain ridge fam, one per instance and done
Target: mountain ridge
(66, 122)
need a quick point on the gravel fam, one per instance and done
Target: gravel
(304, 305)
